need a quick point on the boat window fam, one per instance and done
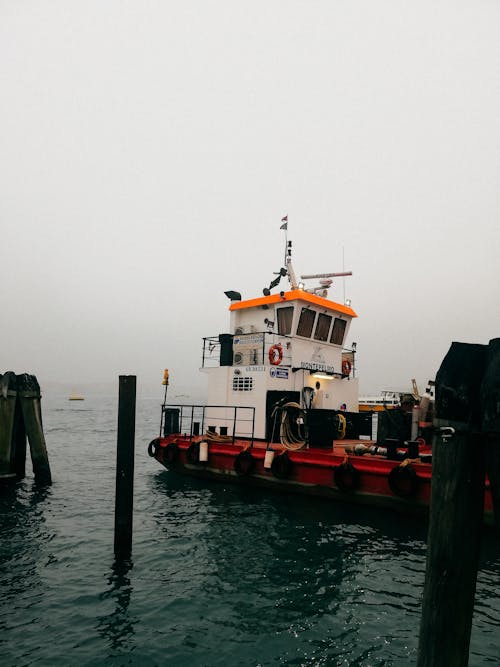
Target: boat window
(322, 327)
(306, 322)
(285, 316)
(338, 331)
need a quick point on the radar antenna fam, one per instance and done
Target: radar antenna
(325, 281)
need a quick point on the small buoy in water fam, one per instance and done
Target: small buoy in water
(203, 451)
(268, 459)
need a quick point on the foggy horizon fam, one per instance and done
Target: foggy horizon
(150, 151)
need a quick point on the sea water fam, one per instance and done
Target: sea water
(219, 575)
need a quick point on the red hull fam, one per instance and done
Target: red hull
(368, 479)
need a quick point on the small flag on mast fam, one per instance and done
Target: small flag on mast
(285, 222)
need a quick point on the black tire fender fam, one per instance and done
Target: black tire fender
(282, 466)
(153, 447)
(403, 481)
(193, 453)
(346, 477)
(244, 463)
(171, 453)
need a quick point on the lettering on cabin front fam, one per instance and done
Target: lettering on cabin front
(249, 340)
(313, 366)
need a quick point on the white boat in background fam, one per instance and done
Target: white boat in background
(76, 397)
(386, 400)
(389, 400)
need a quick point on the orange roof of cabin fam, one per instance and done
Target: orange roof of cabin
(294, 295)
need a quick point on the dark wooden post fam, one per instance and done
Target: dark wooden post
(19, 443)
(125, 466)
(490, 413)
(7, 412)
(456, 513)
(28, 392)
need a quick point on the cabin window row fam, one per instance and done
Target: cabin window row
(308, 322)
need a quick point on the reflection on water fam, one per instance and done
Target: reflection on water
(220, 574)
(308, 583)
(117, 627)
(23, 534)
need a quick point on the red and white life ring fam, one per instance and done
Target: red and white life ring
(346, 367)
(275, 355)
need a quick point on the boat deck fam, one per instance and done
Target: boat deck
(350, 470)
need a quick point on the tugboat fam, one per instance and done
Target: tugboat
(283, 412)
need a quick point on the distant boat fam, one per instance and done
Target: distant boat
(387, 400)
(76, 397)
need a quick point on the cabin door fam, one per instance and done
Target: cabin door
(272, 421)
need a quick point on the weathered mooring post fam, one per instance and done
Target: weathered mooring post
(21, 417)
(456, 513)
(28, 393)
(8, 397)
(125, 466)
(19, 443)
(490, 422)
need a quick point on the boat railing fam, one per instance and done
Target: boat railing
(229, 422)
(245, 349)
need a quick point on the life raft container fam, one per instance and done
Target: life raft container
(244, 463)
(403, 481)
(282, 466)
(346, 477)
(275, 355)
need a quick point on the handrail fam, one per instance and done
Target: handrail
(236, 418)
(211, 349)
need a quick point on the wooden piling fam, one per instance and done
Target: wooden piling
(456, 512)
(490, 416)
(125, 466)
(28, 392)
(7, 414)
(19, 443)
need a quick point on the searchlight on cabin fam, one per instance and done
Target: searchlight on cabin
(234, 296)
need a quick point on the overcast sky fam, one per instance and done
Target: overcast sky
(148, 151)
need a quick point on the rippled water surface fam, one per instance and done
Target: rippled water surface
(219, 575)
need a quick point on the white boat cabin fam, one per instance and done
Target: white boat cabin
(282, 347)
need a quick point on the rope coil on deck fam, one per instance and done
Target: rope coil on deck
(342, 426)
(288, 439)
(210, 436)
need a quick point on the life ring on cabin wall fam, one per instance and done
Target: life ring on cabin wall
(275, 355)
(403, 481)
(346, 367)
(346, 477)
